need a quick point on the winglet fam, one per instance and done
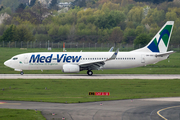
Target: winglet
(111, 49)
(114, 55)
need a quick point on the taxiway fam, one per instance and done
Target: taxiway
(95, 76)
(137, 109)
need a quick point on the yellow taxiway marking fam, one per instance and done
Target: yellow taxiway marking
(158, 112)
(5, 103)
(12, 103)
(2, 102)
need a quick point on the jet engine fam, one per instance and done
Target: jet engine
(70, 68)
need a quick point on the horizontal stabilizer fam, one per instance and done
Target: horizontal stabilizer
(166, 53)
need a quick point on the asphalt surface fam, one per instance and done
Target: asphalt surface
(95, 76)
(137, 109)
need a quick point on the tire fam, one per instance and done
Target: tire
(89, 72)
(22, 73)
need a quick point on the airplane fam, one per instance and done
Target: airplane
(74, 62)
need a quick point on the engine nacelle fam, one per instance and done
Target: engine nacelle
(70, 68)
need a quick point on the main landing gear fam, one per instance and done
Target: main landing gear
(21, 72)
(89, 72)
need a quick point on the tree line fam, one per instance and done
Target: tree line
(100, 21)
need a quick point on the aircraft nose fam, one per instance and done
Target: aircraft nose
(7, 63)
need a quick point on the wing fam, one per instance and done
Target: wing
(97, 65)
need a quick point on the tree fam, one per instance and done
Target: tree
(154, 16)
(6, 10)
(129, 35)
(40, 11)
(13, 4)
(41, 29)
(9, 34)
(53, 3)
(109, 19)
(86, 16)
(2, 28)
(142, 39)
(139, 30)
(136, 14)
(154, 28)
(32, 2)
(21, 7)
(153, 1)
(72, 33)
(42, 37)
(80, 3)
(17, 33)
(110, 6)
(116, 35)
(26, 16)
(23, 34)
(171, 16)
(1, 7)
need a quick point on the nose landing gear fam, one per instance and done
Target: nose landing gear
(21, 72)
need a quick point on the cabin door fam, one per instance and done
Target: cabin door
(142, 58)
(25, 59)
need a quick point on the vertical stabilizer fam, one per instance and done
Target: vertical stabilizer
(160, 42)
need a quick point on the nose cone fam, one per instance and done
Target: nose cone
(7, 63)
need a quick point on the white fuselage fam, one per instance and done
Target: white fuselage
(56, 60)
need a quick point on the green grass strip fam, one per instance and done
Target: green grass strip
(16, 114)
(76, 91)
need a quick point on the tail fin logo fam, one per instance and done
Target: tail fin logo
(163, 35)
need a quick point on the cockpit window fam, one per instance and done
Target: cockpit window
(15, 58)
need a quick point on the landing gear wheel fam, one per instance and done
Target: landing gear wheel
(89, 72)
(22, 73)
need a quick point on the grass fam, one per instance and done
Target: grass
(76, 91)
(16, 114)
(163, 67)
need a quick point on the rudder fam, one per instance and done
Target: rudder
(160, 42)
